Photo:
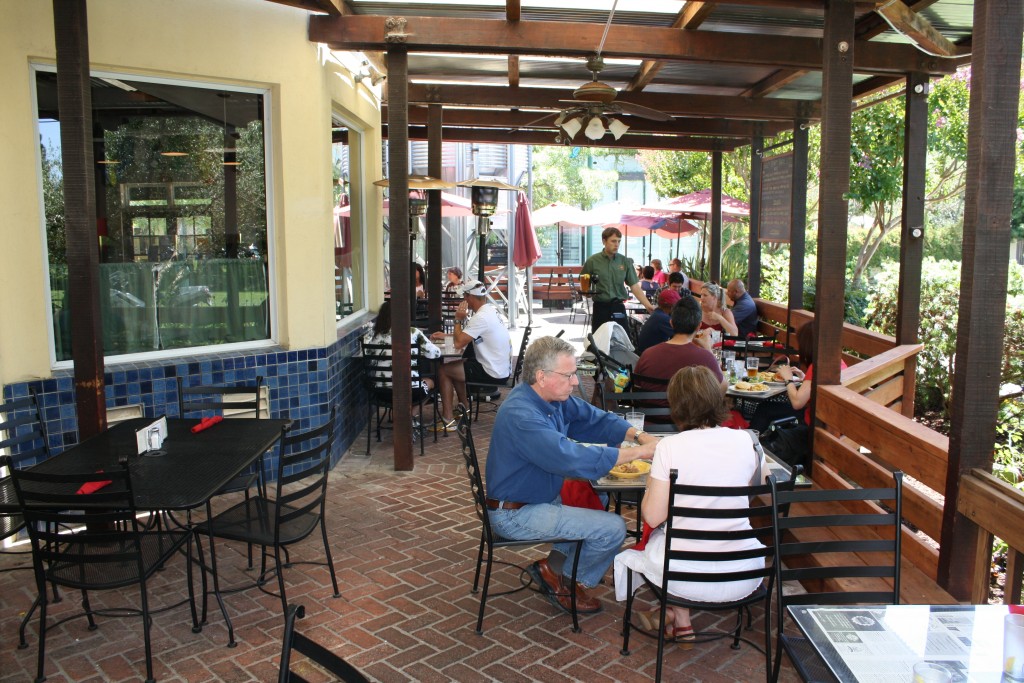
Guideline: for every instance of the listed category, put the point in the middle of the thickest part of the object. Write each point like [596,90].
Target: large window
[181,214]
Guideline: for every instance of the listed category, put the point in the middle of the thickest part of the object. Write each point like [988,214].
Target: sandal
[682,634]
[649,620]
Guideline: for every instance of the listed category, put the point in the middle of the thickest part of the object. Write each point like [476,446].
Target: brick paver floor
[404,545]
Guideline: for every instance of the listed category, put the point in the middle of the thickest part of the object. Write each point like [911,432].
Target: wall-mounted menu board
[776,198]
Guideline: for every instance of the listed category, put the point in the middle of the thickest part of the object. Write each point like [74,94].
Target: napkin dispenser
[151,437]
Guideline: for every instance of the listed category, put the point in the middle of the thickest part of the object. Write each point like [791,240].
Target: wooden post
[798,226]
[837,96]
[74,103]
[754,244]
[836,100]
[435,276]
[915,153]
[401,278]
[715,269]
[995,88]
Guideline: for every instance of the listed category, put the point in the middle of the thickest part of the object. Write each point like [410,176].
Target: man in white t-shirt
[487,359]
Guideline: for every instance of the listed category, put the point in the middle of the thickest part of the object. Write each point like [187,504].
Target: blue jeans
[602,534]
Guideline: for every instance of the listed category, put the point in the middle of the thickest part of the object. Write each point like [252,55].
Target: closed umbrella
[526,250]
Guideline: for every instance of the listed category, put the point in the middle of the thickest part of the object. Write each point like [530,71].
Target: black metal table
[192,468]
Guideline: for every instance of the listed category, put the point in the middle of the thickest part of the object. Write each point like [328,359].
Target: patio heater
[418,186]
[484,199]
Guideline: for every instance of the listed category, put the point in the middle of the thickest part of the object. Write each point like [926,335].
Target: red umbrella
[526,250]
[698,205]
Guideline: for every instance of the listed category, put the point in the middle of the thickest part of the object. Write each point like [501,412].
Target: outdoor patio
[404,545]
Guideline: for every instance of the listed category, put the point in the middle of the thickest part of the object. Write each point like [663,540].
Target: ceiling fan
[595,102]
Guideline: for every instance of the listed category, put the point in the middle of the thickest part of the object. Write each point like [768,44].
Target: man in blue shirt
[658,327]
[538,441]
[744,310]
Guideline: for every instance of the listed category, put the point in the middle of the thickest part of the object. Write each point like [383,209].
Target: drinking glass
[1013,647]
[636,419]
[752,365]
[928,672]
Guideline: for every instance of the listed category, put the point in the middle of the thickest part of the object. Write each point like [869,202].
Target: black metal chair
[294,641]
[490,539]
[848,544]
[105,549]
[236,400]
[294,512]
[488,393]
[25,440]
[379,389]
[685,503]
[578,299]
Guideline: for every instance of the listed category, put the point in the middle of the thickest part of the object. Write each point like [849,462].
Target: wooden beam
[917,28]
[690,17]
[868,27]
[576,39]
[687,105]
[490,118]
[334,8]
[513,71]
[435,139]
[513,10]
[74,101]
[547,138]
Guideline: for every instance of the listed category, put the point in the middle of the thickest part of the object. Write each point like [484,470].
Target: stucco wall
[254,44]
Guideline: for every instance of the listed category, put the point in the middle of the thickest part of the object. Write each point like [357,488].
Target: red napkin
[93,486]
[580,494]
[206,423]
[729,342]
[645,535]
[1016,609]
[735,421]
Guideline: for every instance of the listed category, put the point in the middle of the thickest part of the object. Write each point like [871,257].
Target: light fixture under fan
[594,105]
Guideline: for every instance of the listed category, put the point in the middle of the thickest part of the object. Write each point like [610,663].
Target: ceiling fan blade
[642,111]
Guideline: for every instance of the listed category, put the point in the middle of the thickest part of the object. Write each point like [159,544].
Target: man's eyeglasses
[567,375]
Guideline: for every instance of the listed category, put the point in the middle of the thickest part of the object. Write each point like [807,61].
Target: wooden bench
[555,283]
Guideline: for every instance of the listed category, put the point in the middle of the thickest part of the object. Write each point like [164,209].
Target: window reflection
[181,215]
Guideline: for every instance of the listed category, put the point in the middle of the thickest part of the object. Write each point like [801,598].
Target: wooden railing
[866,432]
[998,510]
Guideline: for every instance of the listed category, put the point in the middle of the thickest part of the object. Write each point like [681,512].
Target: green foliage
[53,205]
[563,174]
[940,303]
[734,265]
[678,173]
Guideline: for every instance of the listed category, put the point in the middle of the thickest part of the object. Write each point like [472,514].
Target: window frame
[272,266]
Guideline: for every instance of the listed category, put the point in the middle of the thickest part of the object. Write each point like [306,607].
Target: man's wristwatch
[636,437]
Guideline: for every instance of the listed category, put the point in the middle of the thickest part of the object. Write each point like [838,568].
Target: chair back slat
[472,465]
[302,473]
[238,400]
[22,431]
[842,545]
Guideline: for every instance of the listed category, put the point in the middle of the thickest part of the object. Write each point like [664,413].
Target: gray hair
[542,354]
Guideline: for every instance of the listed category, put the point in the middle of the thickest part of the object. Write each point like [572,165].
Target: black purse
[787,440]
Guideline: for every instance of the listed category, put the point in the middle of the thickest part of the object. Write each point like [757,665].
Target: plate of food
[631,470]
[766,376]
[751,387]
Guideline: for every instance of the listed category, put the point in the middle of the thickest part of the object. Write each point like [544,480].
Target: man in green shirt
[610,274]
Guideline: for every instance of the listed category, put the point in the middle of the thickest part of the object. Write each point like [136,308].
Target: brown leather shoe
[556,588]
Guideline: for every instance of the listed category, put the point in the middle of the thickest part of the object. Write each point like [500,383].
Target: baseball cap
[668,297]
[474,287]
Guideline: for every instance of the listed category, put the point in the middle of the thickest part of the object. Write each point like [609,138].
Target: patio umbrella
[698,205]
[562,216]
[526,250]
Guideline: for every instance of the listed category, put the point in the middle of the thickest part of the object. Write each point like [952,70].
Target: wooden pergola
[728,73]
